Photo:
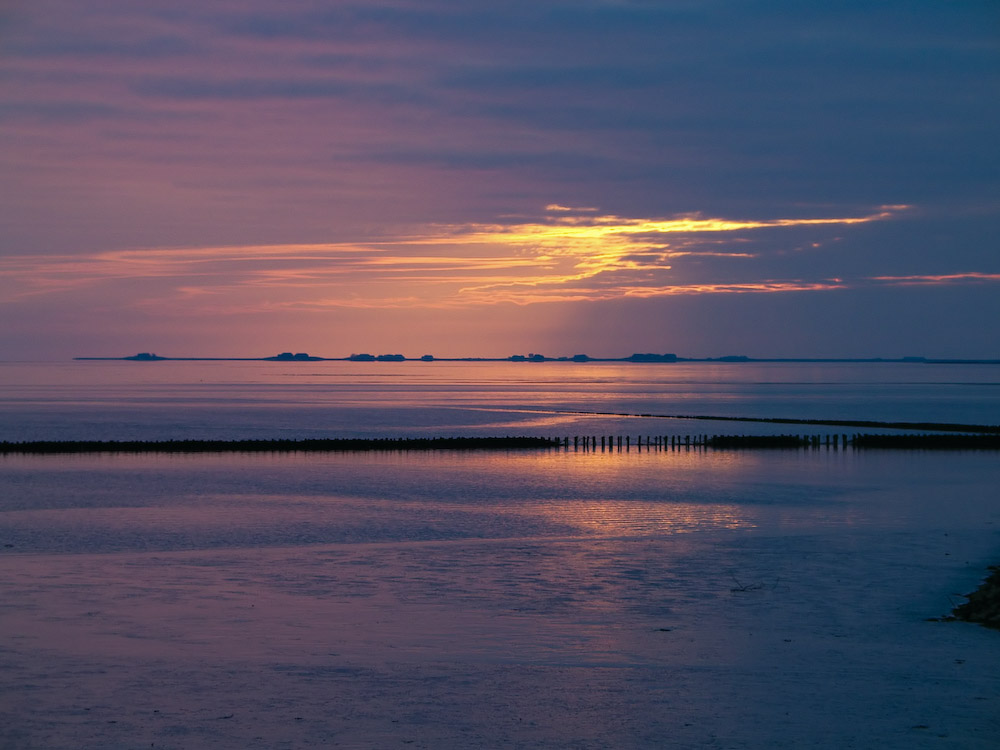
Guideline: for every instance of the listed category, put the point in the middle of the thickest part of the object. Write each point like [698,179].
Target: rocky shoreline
[983,606]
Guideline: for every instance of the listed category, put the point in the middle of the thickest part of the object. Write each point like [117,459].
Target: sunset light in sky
[480,179]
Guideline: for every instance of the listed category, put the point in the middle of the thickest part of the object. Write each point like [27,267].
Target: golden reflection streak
[666,515]
[640,518]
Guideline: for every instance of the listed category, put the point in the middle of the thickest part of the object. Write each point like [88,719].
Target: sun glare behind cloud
[567,254]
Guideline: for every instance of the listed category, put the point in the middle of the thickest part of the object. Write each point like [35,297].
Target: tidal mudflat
[512,599]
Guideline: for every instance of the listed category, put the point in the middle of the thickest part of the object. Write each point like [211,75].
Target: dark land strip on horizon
[637,358]
[588,444]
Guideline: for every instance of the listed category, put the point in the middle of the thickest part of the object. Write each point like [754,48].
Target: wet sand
[713,639]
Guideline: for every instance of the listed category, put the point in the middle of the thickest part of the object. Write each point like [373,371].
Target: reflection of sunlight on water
[546,420]
[636,518]
[634,464]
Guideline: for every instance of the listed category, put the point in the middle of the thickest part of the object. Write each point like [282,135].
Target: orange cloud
[569,254]
[937,280]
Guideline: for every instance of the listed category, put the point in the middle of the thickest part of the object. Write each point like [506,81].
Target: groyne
[283,446]
[755,442]
[586,443]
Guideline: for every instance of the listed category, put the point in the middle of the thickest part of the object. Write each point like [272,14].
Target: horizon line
[636,358]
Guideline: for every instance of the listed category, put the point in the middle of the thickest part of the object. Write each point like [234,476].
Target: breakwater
[588,443]
[274,446]
[752,442]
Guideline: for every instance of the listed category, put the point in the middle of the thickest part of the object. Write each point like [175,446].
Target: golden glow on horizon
[570,254]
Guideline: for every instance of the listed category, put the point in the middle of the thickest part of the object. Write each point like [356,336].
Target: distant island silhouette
[639,358]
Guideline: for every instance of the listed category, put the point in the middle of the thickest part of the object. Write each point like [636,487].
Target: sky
[472,178]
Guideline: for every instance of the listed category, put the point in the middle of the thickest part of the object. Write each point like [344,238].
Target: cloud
[566,254]
[947,279]
[314,154]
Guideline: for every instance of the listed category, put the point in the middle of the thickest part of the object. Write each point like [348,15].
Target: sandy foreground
[712,639]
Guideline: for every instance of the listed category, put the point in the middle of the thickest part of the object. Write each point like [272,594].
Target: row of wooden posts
[675,442]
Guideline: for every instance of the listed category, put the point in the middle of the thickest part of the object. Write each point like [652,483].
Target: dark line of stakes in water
[588,443]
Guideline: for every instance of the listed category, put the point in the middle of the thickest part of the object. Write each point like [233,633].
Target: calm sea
[556,599]
[114,502]
[175,400]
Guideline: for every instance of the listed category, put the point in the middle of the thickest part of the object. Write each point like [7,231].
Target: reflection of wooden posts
[576,442]
[628,442]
